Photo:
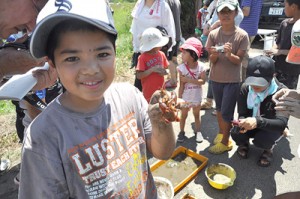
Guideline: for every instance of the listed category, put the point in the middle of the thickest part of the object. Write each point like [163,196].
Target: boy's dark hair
[296,2]
[193,54]
[66,26]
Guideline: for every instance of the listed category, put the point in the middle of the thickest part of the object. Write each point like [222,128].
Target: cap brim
[149,46]
[256,81]
[39,38]
[231,7]
[294,55]
[190,47]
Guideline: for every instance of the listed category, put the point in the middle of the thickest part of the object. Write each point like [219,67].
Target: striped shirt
[250,23]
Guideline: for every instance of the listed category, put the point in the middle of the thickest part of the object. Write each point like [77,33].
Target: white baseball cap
[152,38]
[94,12]
[294,53]
[230,4]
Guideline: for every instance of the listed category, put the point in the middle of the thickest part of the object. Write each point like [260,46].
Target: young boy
[91,141]
[152,63]
[227,46]
[286,73]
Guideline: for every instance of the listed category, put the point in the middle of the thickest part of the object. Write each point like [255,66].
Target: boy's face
[85,63]
[288,9]
[227,16]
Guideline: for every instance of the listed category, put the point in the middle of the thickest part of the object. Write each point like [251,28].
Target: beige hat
[152,38]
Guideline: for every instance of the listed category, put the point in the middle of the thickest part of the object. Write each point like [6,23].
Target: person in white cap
[152,63]
[92,140]
[147,14]
[227,46]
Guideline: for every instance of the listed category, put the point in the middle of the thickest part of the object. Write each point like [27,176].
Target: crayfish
[167,105]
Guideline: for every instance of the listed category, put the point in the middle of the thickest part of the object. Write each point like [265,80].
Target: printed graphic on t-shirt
[112,161]
[154,62]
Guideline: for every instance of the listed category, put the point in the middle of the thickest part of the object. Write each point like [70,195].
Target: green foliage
[123,19]
[6,107]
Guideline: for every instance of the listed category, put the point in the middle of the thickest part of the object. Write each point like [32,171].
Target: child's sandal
[265,159]
[243,151]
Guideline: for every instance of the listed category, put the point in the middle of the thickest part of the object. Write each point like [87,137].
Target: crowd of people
[95,132]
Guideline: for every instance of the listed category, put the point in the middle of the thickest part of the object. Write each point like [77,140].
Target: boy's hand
[227,49]
[155,113]
[163,107]
[159,70]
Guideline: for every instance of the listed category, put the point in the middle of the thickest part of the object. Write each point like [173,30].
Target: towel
[254,99]
[155,10]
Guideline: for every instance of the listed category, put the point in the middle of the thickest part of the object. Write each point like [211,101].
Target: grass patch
[123,19]
[6,107]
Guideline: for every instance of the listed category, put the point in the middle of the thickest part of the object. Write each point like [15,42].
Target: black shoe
[181,136]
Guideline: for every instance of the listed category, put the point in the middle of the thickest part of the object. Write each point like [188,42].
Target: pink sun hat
[193,44]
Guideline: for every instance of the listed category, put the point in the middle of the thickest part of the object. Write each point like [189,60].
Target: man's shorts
[225,95]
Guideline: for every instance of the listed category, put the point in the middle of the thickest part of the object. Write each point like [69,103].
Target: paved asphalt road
[252,181]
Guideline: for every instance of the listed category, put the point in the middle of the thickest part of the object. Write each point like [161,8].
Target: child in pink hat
[192,77]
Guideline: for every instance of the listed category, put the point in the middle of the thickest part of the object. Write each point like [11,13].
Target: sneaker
[219,148]
[199,137]
[214,113]
[181,136]
[4,165]
[207,104]
[17,179]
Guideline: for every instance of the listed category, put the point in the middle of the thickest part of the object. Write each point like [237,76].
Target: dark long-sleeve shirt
[268,120]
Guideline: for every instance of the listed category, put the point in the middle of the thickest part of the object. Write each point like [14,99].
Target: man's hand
[45,78]
[285,92]
[14,61]
[289,106]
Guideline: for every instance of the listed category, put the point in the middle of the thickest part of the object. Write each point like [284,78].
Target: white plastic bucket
[268,42]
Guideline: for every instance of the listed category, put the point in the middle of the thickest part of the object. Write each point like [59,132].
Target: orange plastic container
[190,175]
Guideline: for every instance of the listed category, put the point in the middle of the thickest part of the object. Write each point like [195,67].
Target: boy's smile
[85,63]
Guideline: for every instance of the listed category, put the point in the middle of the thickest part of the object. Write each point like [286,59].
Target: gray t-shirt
[101,154]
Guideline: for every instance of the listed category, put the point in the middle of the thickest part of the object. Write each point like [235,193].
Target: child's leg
[196,112]
[184,114]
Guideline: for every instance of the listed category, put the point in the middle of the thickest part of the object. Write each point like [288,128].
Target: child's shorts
[225,95]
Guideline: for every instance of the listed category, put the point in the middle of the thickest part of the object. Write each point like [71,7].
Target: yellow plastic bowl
[220,176]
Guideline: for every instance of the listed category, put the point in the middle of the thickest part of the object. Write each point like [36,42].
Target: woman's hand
[247,124]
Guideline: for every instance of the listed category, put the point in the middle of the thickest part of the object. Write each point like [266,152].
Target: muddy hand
[169,106]
[154,110]
[289,106]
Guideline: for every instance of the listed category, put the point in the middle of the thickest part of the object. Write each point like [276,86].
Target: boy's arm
[162,142]
[143,74]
